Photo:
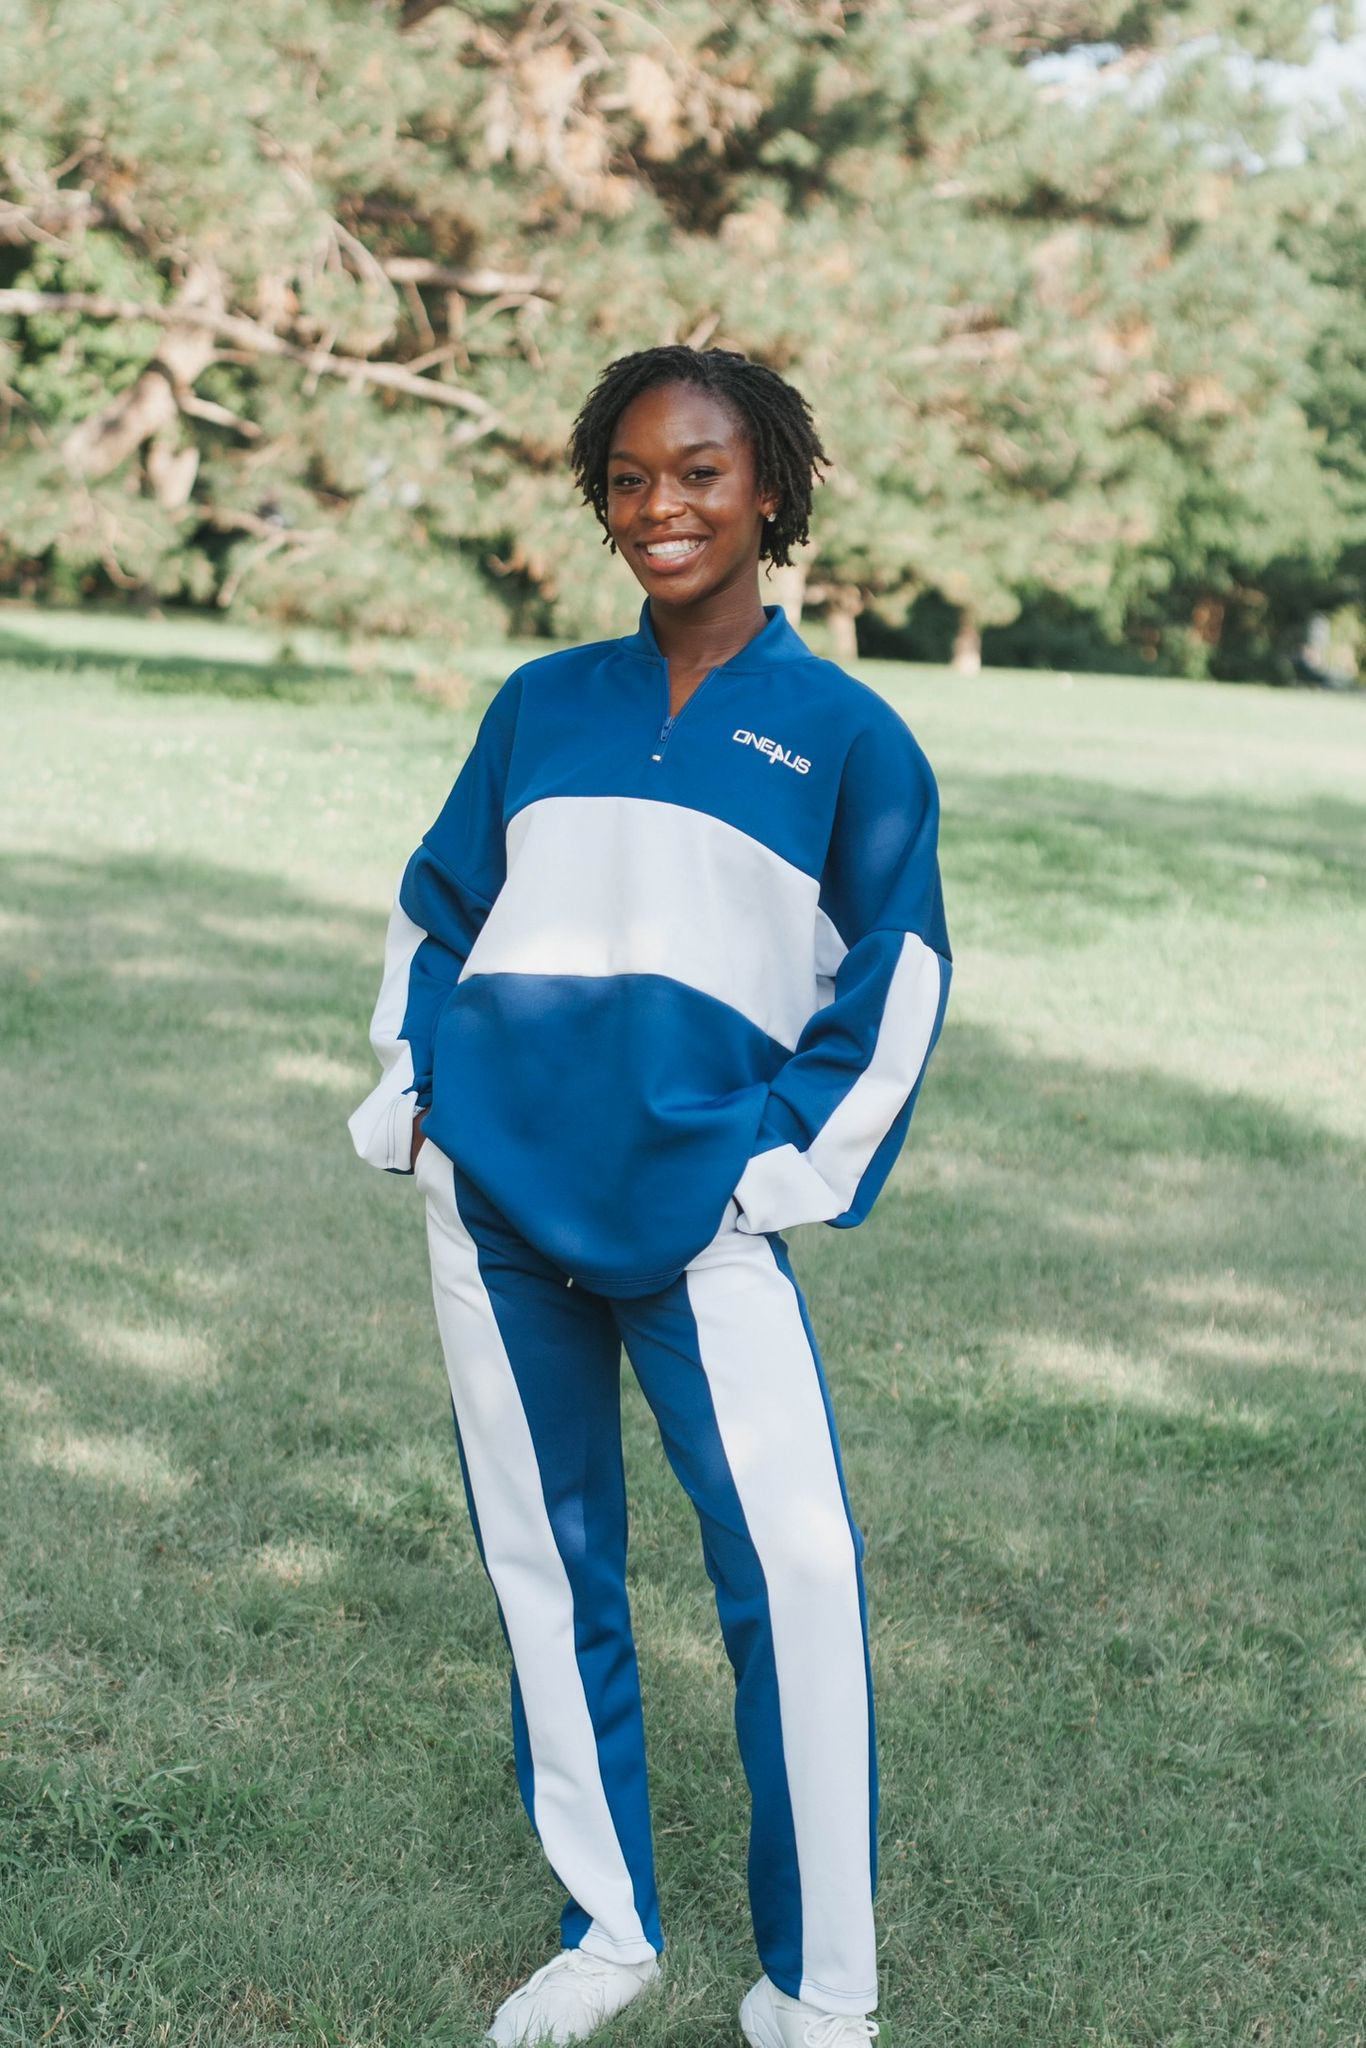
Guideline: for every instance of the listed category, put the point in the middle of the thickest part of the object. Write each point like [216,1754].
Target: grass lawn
[1098,1359]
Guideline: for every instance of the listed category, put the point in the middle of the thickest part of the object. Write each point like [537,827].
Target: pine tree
[297,304]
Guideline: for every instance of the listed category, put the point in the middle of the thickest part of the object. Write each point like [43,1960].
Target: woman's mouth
[672,554]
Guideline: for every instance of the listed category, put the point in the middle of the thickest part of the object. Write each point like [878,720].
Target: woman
[661,982]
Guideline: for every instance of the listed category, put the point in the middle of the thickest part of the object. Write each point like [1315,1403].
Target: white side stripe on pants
[528,1574]
[771,1415]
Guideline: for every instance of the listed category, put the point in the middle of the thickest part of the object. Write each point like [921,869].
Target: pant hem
[612,1950]
[846,2003]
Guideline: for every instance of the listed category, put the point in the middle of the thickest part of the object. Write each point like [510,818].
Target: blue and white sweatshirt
[641,966]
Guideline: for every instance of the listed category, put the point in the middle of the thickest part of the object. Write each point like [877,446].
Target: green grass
[1098,1359]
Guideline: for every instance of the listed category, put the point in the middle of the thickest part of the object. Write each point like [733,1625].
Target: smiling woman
[699,467]
[646,1005]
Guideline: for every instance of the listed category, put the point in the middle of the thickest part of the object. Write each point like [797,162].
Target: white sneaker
[770,2019]
[568,1999]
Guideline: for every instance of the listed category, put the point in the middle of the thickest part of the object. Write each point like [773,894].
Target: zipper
[671,718]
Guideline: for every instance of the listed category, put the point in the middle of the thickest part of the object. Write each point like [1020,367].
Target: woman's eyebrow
[693,448]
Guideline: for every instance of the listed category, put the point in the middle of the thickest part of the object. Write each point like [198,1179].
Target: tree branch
[197,408]
[147,411]
[257,340]
[231,519]
[305,539]
[475,284]
[42,210]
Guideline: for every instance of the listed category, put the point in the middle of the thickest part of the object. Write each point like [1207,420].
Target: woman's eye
[703,472]
[621,483]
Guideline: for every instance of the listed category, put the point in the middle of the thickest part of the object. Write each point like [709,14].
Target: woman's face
[683,505]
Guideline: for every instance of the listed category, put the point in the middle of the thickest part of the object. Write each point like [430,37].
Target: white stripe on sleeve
[784,1186]
[382,1128]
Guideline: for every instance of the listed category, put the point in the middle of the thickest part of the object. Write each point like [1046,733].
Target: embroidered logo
[775,753]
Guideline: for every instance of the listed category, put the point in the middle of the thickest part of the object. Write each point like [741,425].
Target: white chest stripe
[625,885]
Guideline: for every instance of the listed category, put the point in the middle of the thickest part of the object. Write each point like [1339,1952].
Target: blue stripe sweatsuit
[666,987]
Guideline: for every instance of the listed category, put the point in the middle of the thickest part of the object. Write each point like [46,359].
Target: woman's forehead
[677,418]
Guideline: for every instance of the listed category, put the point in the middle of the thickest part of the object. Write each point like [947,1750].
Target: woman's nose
[664,498]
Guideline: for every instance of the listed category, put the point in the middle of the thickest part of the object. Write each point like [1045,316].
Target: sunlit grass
[1098,1360]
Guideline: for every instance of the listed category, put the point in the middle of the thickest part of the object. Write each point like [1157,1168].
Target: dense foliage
[297,305]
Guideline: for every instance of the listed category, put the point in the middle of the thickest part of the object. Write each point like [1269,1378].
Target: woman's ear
[768,505]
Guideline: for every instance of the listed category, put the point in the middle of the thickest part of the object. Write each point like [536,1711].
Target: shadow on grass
[300,682]
[1108,1253]
[203,1033]
[1096,1362]
[1057,858]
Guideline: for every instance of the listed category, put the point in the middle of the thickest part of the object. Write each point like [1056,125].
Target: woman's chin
[674,586]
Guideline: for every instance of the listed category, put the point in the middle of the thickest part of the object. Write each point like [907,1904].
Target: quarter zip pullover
[635,972]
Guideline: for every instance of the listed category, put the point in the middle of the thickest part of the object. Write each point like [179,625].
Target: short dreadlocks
[788,455]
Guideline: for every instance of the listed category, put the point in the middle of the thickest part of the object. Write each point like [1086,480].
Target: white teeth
[670,550]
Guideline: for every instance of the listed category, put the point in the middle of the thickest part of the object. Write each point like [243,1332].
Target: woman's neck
[695,639]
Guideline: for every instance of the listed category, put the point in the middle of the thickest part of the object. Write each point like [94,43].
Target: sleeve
[445,894]
[838,1108]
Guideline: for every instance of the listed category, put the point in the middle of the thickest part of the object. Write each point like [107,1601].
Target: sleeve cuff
[780,1189]
[382,1128]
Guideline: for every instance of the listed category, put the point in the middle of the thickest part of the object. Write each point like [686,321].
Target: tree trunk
[967,645]
[787,587]
[1207,617]
[844,638]
[171,471]
[842,609]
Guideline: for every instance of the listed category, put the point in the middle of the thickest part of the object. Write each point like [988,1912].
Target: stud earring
[769,518]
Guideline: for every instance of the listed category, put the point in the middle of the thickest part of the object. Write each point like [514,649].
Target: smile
[671,550]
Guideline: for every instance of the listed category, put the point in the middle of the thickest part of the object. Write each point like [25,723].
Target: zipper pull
[663,740]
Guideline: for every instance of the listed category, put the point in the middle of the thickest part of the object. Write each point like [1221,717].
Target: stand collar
[777,642]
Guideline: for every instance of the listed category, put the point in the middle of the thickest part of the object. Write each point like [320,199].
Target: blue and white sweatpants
[727,1361]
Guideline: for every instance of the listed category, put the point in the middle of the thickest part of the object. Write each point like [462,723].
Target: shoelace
[839,2030]
[577,1962]
[576,1966]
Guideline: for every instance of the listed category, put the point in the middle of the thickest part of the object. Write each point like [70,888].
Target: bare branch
[197,408]
[147,411]
[41,210]
[981,345]
[171,471]
[703,332]
[256,340]
[473,430]
[417,313]
[475,284]
[229,519]
[306,539]
[447,353]
[21,225]
[367,265]
[318,355]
